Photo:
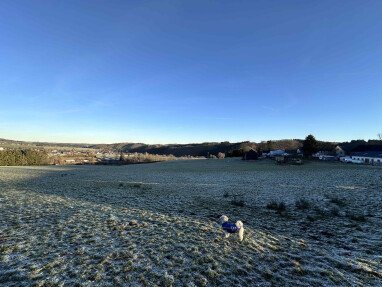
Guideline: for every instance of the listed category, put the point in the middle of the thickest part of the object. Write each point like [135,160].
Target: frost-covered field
[155,224]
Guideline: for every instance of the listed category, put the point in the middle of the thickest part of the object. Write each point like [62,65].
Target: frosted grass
[156,225]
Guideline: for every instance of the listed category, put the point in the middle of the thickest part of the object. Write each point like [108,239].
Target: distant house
[368,157]
[251,155]
[339,151]
[278,152]
[293,153]
[327,157]
[317,154]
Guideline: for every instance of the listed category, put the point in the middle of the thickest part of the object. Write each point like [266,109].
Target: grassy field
[319,224]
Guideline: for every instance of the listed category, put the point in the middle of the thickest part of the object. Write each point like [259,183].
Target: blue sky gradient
[190,71]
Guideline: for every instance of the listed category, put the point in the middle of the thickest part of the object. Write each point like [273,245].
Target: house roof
[368,154]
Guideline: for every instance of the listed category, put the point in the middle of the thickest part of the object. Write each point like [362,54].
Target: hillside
[192,149]
[15,143]
[202,149]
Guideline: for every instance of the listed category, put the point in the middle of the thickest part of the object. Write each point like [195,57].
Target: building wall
[369,160]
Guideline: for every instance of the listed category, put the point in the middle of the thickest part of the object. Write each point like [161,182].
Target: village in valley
[355,152]
[372,155]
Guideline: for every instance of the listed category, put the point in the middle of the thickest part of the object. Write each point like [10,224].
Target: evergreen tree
[310,145]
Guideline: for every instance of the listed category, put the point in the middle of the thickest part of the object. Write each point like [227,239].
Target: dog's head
[223,219]
[239,224]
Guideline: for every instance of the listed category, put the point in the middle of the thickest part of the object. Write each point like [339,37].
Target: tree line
[23,157]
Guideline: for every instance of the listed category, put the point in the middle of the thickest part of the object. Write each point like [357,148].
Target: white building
[345,159]
[368,157]
[278,152]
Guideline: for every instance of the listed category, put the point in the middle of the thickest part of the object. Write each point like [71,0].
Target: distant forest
[232,149]
[197,149]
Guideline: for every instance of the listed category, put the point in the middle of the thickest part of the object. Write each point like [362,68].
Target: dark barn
[251,155]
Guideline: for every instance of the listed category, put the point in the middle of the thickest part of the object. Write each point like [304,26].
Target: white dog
[229,228]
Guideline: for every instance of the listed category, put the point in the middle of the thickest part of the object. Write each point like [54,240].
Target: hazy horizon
[189,72]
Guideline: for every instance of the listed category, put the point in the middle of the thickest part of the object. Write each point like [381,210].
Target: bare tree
[380,136]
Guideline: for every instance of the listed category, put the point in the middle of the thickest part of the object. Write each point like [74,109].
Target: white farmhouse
[368,157]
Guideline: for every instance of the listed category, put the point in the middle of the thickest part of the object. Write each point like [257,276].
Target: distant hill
[361,145]
[368,147]
[197,149]
[203,149]
[193,149]
[7,142]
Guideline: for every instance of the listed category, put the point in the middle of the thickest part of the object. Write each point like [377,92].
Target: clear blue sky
[190,71]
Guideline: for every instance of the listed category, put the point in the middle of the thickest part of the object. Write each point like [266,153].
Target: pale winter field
[156,225]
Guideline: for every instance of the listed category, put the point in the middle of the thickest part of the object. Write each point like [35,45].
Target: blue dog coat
[230,227]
